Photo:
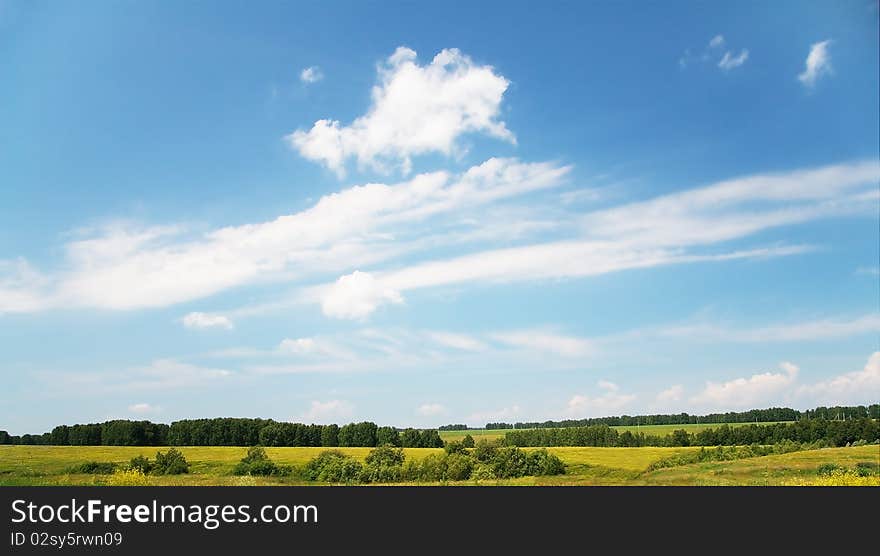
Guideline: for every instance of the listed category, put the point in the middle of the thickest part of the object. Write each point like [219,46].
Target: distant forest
[227,432]
[589,432]
[774,414]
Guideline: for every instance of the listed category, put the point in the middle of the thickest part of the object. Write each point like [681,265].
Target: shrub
[384,465]
[459,467]
[256,462]
[171,462]
[142,464]
[484,451]
[455,447]
[433,468]
[509,461]
[467,441]
[867,468]
[482,472]
[94,468]
[333,466]
[828,469]
[128,477]
[542,462]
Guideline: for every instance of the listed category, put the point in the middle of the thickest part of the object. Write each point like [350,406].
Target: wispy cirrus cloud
[126,267]
[665,230]
[801,331]
[205,320]
[730,61]
[817,64]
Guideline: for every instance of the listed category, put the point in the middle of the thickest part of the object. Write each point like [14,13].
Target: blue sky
[420,214]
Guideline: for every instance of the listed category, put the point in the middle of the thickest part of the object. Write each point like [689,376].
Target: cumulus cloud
[327,412]
[415,110]
[856,387]
[672,394]
[357,295]
[753,391]
[717,41]
[817,64]
[204,320]
[311,74]
[729,61]
[431,409]
[612,400]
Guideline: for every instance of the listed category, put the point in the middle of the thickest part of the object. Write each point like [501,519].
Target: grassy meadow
[50,465]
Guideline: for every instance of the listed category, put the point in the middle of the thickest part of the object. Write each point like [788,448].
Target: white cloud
[143,408]
[456,341]
[160,375]
[480,418]
[128,268]
[712,52]
[611,401]
[817,64]
[754,391]
[729,61]
[672,394]
[415,110]
[661,231]
[566,346]
[204,320]
[822,329]
[431,409]
[327,412]
[857,387]
[22,288]
[311,74]
[356,295]
[298,345]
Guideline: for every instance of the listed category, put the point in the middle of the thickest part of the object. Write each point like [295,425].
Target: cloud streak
[817,64]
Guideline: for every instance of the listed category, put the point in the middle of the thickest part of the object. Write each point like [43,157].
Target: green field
[657,430]
[48,465]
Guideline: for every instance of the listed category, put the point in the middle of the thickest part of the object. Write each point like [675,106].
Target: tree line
[752,416]
[228,432]
[821,431]
[456,427]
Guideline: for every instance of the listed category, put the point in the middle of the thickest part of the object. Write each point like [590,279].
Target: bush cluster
[333,466]
[729,453]
[388,464]
[256,462]
[171,462]
[94,468]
